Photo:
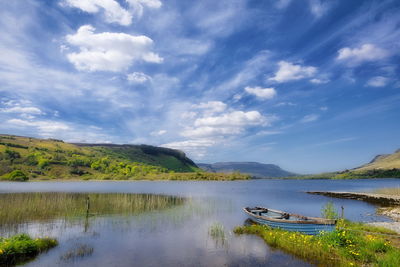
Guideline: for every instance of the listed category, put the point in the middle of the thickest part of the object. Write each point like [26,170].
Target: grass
[16,208]
[348,245]
[20,248]
[217,233]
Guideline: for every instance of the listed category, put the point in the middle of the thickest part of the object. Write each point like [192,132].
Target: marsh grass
[17,208]
[80,251]
[346,246]
[20,248]
[217,233]
[391,191]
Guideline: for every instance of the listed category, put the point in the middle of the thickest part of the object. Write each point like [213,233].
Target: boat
[290,222]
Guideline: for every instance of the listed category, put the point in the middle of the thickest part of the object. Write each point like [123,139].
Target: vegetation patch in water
[217,233]
[348,245]
[80,251]
[21,247]
[16,208]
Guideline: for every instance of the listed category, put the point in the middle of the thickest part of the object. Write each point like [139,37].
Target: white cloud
[196,147]
[317,8]
[290,72]
[43,126]
[262,93]
[113,12]
[138,77]
[227,124]
[323,108]
[211,106]
[309,118]
[232,119]
[23,110]
[367,52]
[158,133]
[378,81]
[109,51]
[319,81]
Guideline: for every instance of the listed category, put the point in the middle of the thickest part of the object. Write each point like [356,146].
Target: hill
[254,169]
[24,158]
[381,166]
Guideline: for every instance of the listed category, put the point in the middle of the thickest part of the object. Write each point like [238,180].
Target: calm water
[179,235]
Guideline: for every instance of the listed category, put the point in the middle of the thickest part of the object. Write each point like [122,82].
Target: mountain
[385,161]
[51,158]
[381,166]
[255,169]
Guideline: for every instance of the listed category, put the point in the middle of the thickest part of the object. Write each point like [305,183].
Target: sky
[310,85]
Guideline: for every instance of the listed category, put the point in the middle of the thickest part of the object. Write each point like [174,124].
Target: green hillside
[25,157]
[382,166]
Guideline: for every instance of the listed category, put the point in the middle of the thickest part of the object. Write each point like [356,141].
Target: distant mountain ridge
[383,161]
[255,169]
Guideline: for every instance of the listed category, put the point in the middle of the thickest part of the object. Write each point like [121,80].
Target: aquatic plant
[16,208]
[21,247]
[217,233]
[346,246]
[80,251]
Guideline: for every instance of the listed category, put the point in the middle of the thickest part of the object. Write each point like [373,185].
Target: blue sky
[309,85]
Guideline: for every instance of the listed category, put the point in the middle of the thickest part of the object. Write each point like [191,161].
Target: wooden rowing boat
[290,222]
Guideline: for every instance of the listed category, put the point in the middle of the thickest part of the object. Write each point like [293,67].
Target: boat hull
[290,222]
[309,229]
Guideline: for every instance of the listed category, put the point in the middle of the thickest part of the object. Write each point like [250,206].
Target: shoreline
[390,205]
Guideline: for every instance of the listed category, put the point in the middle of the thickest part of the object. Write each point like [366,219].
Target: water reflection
[135,230]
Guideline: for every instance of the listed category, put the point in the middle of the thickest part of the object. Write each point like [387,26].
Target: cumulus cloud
[367,52]
[378,81]
[226,124]
[109,51]
[290,72]
[262,93]
[309,118]
[112,10]
[138,77]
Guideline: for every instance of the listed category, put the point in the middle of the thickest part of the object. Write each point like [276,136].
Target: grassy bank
[352,244]
[20,248]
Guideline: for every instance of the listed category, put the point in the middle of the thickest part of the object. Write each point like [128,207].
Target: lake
[177,228]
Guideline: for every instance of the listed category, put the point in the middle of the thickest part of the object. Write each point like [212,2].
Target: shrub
[22,247]
[16,175]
